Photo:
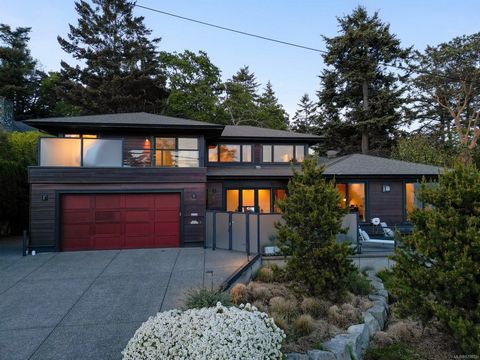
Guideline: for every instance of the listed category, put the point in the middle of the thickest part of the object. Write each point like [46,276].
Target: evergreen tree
[312,219]
[437,271]
[270,113]
[121,66]
[306,118]
[195,86]
[49,104]
[19,73]
[360,99]
[240,102]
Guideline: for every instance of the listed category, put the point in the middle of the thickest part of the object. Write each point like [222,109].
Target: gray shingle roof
[140,119]
[252,132]
[359,164]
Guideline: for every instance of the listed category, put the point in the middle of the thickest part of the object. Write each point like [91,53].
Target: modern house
[140,180]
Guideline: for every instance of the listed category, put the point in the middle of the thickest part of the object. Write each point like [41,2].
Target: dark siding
[214,196]
[387,206]
[257,151]
[43,225]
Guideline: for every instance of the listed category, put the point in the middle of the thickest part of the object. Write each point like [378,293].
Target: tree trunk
[365,109]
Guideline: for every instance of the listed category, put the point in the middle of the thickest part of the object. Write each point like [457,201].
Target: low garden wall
[354,343]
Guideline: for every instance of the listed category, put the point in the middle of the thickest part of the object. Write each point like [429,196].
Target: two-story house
[140,180]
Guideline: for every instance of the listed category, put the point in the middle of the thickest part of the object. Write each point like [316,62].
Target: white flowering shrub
[209,333]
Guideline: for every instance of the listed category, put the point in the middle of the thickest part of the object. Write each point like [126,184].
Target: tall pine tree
[19,74]
[306,118]
[270,113]
[121,66]
[360,99]
[239,103]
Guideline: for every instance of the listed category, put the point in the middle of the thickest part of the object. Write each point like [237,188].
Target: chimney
[6,113]
[331,154]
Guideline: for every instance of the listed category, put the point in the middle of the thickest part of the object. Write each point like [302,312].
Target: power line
[232,30]
[287,43]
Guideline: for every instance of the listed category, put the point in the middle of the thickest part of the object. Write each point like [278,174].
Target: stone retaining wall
[353,344]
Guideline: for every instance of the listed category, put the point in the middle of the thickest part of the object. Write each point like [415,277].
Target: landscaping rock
[379,299]
[321,355]
[297,356]
[360,338]
[339,345]
[382,293]
[371,323]
[380,313]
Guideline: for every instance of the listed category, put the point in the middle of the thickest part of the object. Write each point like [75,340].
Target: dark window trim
[255,188]
[366,188]
[217,145]
[294,159]
[154,148]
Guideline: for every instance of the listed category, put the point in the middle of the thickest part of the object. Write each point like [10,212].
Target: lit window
[282,153]
[264,200]
[411,198]
[254,200]
[229,153]
[212,153]
[278,194]
[299,153]
[267,153]
[232,200]
[179,152]
[352,196]
[72,135]
[248,200]
[246,153]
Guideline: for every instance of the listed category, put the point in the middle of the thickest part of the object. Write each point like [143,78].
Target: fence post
[247,230]
[24,243]
[230,240]
[214,230]
[258,234]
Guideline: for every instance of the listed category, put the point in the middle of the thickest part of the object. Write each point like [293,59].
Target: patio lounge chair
[365,239]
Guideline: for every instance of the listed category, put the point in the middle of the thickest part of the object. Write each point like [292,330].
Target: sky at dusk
[292,71]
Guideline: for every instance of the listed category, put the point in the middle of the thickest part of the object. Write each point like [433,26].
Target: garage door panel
[117,221]
[144,216]
[139,201]
[76,217]
[108,201]
[167,215]
[74,202]
[108,216]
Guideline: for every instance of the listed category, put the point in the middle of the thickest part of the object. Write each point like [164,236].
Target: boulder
[297,356]
[321,355]
[371,323]
[360,337]
[379,313]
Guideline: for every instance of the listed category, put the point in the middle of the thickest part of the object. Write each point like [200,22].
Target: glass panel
[59,152]
[342,189]
[278,194]
[72,135]
[229,153]
[164,158]
[248,200]
[212,153]
[246,153]
[264,205]
[186,158]
[102,152]
[267,153]
[188,143]
[411,198]
[356,199]
[232,200]
[299,153]
[136,158]
[283,153]
[89,136]
[165,143]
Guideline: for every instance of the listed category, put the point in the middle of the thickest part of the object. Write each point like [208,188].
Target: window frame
[241,161]
[365,184]
[256,203]
[294,158]
[154,149]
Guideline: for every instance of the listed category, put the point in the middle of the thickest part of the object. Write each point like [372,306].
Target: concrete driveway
[87,305]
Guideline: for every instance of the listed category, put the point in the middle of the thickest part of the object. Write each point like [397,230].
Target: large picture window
[411,198]
[228,153]
[261,200]
[283,153]
[352,196]
[179,152]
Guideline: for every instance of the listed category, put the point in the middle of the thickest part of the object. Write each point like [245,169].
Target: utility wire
[320,51]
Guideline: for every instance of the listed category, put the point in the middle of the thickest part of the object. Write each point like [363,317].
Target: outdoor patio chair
[389,233]
[365,239]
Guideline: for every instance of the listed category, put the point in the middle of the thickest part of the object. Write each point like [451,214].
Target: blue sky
[292,71]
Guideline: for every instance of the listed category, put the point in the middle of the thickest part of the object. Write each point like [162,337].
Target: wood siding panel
[388,206]
[214,196]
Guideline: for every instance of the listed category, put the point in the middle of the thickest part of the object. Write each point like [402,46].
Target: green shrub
[392,352]
[303,325]
[200,298]
[387,278]
[312,219]
[437,271]
[359,284]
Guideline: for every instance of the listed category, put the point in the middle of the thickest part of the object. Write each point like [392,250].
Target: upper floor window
[85,136]
[230,153]
[283,153]
[179,152]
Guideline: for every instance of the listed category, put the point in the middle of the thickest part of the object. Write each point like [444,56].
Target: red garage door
[120,221]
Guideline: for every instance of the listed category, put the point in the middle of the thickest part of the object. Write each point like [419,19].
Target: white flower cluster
[209,333]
